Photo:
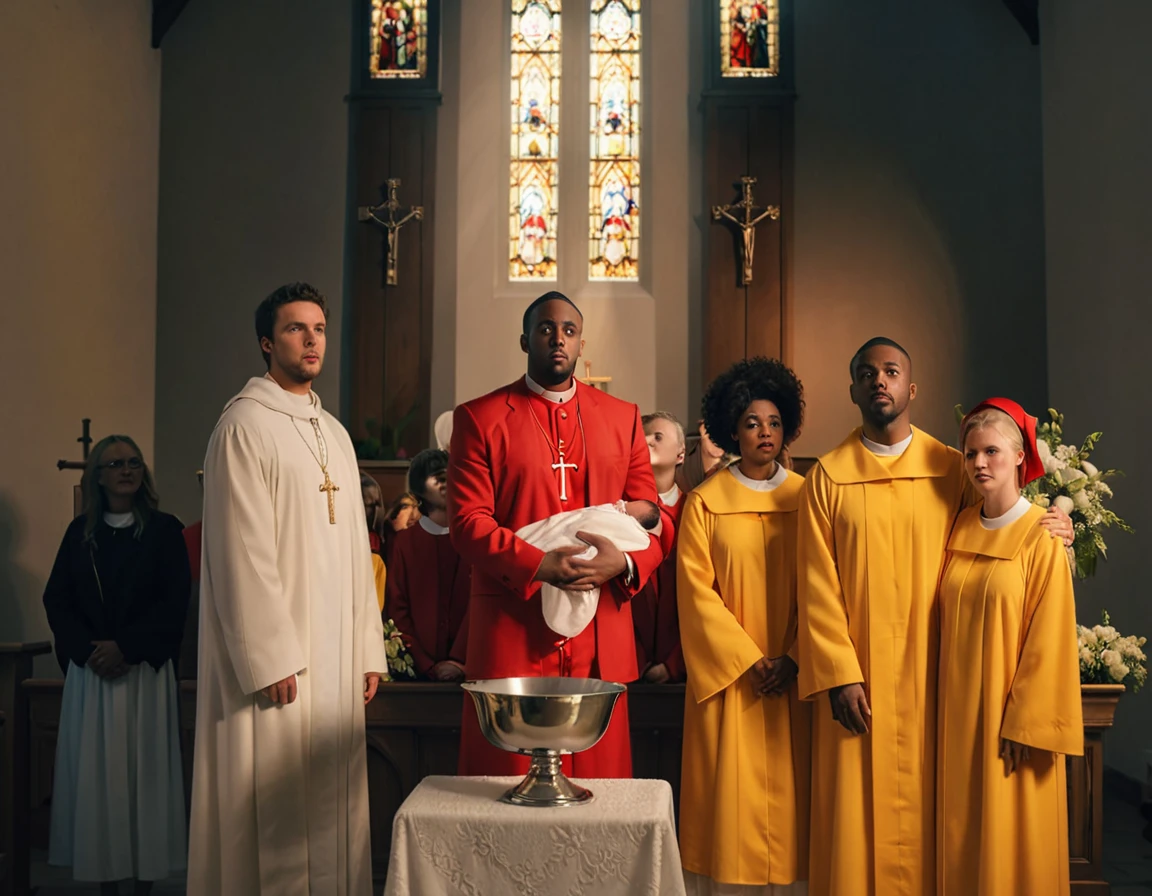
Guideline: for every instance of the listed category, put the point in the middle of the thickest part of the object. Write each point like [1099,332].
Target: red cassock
[192,537]
[426,594]
[654,614]
[504,473]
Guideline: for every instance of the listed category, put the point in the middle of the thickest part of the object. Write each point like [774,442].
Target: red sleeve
[458,650]
[675,664]
[398,603]
[641,486]
[480,540]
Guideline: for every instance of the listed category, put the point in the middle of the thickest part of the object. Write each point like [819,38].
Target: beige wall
[919,208]
[78,181]
[254,147]
[1097,147]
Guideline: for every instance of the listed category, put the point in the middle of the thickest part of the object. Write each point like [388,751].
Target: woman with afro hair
[744,782]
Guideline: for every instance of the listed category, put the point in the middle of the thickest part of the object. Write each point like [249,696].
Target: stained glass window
[535,128]
[749,39]
[398,39]
[614,153]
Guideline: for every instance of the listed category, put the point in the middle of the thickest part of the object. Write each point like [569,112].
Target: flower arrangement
[400,663]
[1077,487]
[1107,657]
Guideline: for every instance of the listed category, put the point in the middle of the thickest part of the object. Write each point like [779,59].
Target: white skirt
[699,885]
[118,791]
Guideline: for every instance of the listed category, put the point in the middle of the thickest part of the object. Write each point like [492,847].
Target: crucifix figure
[563,468]
[748,224]
[331,488]
[392,227]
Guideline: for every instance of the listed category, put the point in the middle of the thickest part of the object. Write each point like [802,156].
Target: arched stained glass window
[535,128]
[749,39]
[398,39]
[614,148]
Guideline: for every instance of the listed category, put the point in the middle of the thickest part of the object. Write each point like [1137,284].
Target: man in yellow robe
[874,520]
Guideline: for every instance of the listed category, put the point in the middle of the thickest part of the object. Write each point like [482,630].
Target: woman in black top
[116,601]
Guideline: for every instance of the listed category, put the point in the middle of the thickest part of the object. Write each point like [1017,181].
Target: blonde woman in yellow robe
[1009,688]
[744,783]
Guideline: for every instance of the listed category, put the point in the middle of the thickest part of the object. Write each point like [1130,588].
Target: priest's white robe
[280,793]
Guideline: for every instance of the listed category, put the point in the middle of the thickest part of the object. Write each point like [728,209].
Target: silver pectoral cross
[563,468]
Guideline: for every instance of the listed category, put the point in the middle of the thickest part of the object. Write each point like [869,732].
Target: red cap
[1033,467]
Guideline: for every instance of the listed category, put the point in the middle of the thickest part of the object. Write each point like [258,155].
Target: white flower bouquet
[1107,657]
[400,664]
[1077,487]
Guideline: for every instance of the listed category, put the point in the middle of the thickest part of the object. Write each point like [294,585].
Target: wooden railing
[15,668]
[413,731]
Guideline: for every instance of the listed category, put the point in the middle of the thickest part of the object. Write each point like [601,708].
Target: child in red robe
[427,589]
[654,614]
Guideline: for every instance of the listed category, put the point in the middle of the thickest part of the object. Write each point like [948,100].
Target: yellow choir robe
[872,532]
[1009,667]
[744,782]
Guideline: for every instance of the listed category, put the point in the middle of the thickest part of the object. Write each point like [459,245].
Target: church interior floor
[1127,860]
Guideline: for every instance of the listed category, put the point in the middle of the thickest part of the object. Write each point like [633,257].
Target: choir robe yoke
[1009,667]
[745,776]
[871,541]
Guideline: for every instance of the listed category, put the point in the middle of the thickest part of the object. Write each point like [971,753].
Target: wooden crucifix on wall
[746,223]
[391,226]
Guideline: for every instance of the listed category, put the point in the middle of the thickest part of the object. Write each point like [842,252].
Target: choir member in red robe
[528,450]
[426,593]
[654,613]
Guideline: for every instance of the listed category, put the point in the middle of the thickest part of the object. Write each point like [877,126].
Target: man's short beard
[555,379]
[882,418]
[298,374]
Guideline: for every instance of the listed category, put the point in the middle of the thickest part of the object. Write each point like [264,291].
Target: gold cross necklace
[329,486]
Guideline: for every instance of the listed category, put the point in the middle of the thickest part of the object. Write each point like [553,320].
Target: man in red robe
[427,588]
[533,448]
[654,614]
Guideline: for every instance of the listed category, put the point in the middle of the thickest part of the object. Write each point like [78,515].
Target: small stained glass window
[535,129]
[749,39]
[614,151]
[398,39]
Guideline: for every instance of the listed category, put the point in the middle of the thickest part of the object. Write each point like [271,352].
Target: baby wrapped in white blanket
[569,612]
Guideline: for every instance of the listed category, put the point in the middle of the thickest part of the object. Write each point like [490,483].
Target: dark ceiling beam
[1027,13]
[164,14]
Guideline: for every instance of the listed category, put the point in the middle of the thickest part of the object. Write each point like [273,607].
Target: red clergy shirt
[426,594]
[654,614]
[500,478]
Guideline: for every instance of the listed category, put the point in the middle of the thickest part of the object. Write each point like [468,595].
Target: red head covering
[1033,467]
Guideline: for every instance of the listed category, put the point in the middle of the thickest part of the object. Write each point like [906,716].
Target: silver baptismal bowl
[544,718]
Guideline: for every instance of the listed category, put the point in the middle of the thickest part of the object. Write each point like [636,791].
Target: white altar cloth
[452,836]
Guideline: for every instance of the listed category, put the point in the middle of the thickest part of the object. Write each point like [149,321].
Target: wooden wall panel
[391,365]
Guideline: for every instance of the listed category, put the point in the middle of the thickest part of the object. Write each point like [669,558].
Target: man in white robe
[291,640]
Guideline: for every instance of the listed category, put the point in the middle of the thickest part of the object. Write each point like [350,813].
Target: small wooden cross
[331,488]
[563,468]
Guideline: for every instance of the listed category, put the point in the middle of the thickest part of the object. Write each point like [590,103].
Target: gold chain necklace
[329,486]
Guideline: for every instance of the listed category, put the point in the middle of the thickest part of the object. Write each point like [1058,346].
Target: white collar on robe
[670,497]
[266,391]
[760,485]
[1014,513]
[887,450]
[558,397]
[432,528]
[120,520]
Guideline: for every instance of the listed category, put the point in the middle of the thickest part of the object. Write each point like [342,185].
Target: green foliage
[383,440]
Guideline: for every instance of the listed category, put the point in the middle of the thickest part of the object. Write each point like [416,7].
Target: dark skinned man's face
[883,387]
[553,342]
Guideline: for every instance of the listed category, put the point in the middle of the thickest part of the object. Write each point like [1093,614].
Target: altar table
[453,836]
